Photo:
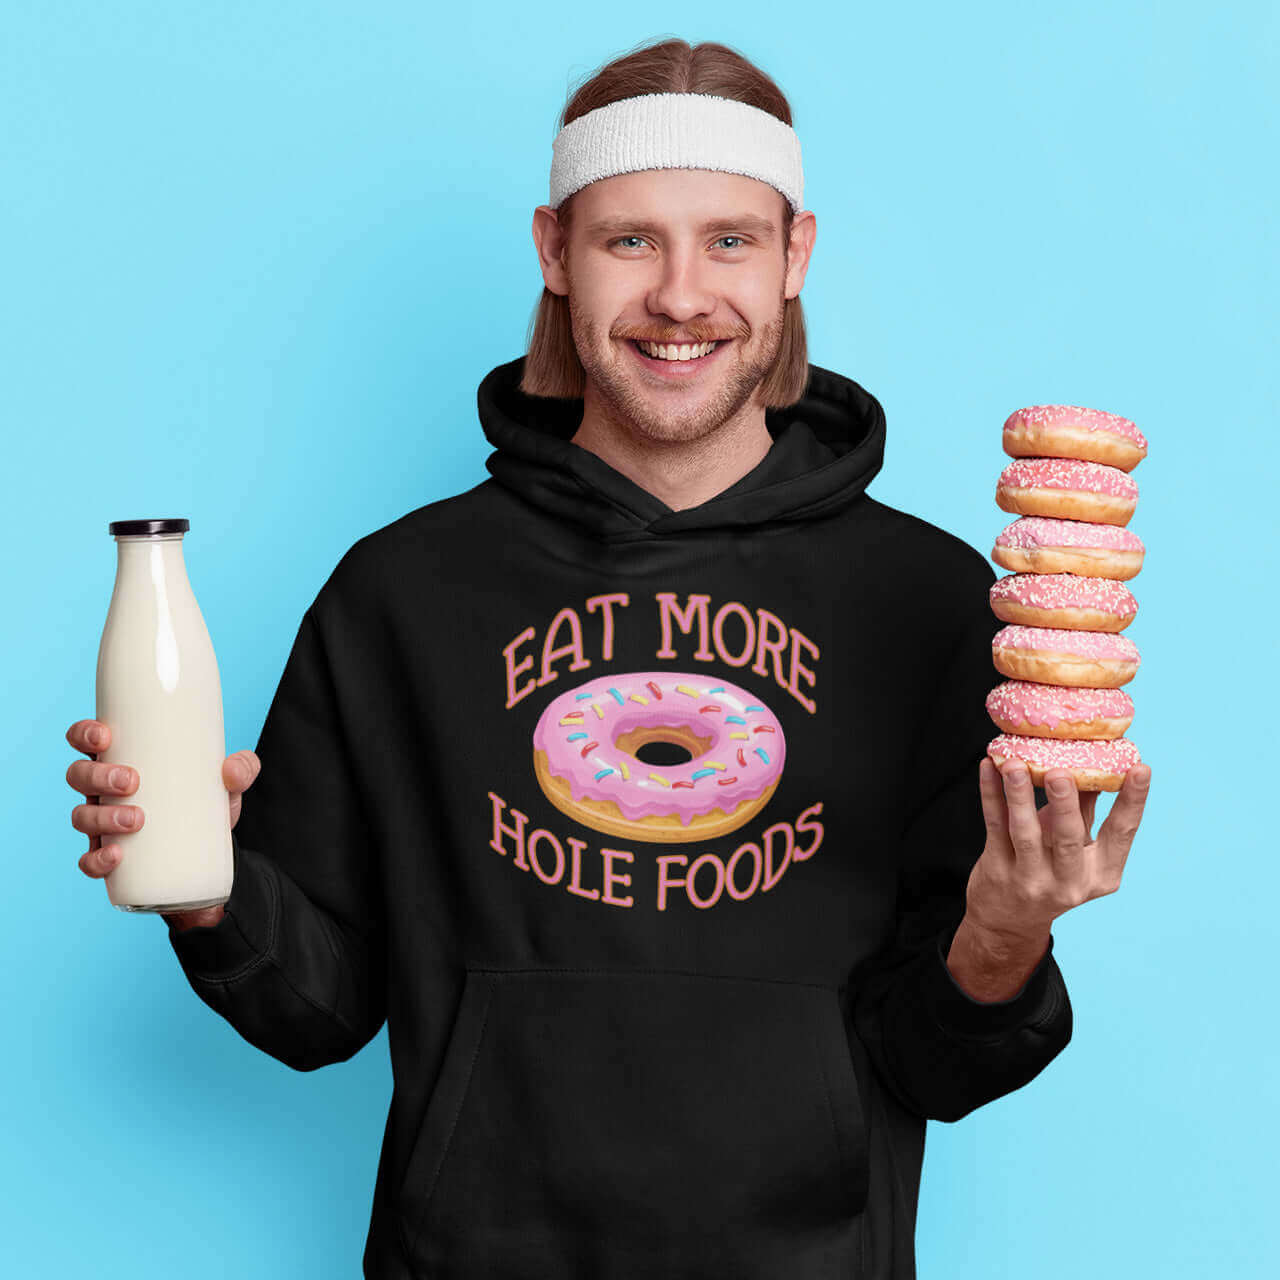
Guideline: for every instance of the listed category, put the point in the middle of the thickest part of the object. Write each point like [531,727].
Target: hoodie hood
[826,449]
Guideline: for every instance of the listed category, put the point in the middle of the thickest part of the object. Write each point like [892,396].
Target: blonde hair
[552,366]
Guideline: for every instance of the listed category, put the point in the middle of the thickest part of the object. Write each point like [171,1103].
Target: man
[641,1026]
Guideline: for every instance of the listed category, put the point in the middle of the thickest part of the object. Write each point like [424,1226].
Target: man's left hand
[1036,865]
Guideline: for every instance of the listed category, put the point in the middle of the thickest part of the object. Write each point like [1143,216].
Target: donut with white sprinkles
[1068,489]
[1057,655]
[1072,431]
[1044,544]
[1096,765]
[1059,711]
[1063,600]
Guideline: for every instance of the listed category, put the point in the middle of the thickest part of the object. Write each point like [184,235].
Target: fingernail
[1058,786]
[120,778]
[126,818]
[95,737]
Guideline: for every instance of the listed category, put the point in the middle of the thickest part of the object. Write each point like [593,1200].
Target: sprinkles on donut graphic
[590,742]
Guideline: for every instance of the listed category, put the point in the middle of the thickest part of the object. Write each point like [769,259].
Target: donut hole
[663,746]
[665,754]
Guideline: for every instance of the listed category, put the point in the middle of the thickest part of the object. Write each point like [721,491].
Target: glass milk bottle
[159,694]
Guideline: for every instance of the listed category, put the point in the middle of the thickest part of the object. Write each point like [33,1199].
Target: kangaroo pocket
[624,1124]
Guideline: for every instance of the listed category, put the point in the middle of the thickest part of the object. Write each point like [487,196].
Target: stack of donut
[1065,603]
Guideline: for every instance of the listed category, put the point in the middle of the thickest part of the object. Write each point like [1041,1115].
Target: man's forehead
[672,199]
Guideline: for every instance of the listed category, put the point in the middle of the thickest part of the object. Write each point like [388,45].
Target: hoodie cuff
[955,1010]
[245,934]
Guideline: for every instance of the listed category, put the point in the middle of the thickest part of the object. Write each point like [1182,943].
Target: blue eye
[623,239]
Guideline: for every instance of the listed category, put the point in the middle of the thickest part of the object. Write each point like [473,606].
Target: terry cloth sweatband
[676,131]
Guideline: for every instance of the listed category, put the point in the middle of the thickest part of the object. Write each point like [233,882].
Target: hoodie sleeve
[296,964]
[941,1052]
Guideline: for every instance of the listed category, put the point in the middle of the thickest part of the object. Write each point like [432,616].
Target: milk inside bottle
[159,694]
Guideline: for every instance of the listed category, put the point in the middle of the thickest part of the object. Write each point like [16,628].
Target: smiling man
[641,790]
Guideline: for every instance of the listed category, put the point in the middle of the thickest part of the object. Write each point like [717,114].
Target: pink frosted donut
[1063,600]
[1071,431]
[1067,488]
[1096,765]
[585,756]
[1042,544]
[1059,711]
[1056,655]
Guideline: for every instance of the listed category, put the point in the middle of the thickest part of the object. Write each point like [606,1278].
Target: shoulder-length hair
[552,367]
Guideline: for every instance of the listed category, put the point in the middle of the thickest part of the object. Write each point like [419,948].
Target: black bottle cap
[134,527]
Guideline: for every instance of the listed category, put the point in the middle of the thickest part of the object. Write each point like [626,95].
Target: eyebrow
[751,222]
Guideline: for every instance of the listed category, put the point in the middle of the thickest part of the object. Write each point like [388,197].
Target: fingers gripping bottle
[159,694]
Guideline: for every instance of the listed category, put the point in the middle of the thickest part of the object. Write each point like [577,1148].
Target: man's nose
[682,288]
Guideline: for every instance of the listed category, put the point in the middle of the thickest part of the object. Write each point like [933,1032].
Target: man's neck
[680,474]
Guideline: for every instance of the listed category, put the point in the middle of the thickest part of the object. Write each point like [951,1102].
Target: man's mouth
[676,356]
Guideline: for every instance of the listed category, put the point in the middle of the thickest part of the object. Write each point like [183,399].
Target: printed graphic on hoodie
[587,735]
[664,756]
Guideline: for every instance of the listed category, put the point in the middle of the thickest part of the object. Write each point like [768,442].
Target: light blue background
[256,260]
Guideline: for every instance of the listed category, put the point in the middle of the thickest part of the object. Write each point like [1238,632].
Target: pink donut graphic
[585,755]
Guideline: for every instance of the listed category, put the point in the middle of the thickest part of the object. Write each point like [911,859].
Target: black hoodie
[623,1056]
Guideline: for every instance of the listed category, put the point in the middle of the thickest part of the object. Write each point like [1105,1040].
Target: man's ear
[804,230]
[551,243]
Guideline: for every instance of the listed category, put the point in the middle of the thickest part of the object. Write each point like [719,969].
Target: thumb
[240,770]
[238,773]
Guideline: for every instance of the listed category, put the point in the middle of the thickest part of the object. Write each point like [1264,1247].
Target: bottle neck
[157,557]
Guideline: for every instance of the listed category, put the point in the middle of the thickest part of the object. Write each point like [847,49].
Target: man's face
[677,256]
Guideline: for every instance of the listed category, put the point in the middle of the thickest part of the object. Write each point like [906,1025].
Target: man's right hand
[96,780]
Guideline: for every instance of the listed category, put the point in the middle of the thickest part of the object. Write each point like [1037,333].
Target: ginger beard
[682,412]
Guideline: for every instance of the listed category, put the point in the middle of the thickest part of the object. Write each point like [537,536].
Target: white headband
[676,131]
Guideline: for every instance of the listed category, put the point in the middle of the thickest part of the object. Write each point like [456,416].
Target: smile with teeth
[686,351]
